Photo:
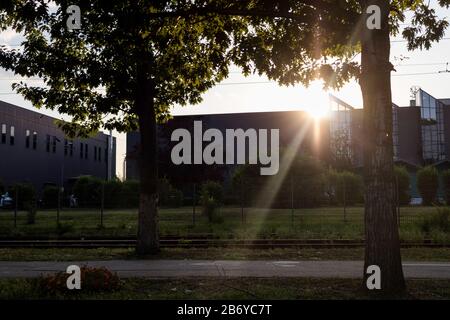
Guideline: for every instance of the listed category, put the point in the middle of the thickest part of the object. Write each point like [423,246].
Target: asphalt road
[208,268]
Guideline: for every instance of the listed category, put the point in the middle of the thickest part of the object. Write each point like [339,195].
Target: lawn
[324,223]
[73,254]
[231,288]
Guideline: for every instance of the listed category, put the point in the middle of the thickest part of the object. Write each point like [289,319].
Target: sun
[318,112]
[317,103]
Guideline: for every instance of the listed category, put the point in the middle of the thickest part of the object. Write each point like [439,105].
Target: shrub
[343,187]
[446,185]
[439,221]
[26,195]
[168,195]
[87,191]
[211,198]
[130,193]
[92,280]
[50,196]
[427,183]
[308,175]
[113,190]
[403,184]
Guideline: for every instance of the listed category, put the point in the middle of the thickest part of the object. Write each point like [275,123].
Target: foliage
[403,184]
[428,183]
[168,195]
[445,176]
[50,196]
[130,193]
[344,187]
[92,280]
[26,194]
[87,190]
[438,221]
[211,198]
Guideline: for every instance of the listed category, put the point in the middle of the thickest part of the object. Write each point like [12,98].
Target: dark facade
[421,133]
[33,149]
[296,130]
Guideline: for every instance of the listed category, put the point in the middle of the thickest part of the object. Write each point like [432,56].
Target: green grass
[327,223]
[242,288]
[408,254]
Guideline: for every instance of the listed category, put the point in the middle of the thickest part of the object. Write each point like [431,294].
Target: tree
[428,183]
[123,69]
[169,52]
[299,41]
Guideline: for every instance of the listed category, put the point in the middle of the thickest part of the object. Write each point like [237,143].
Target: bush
[403,184]
[87,190]
[211,198]
[50,196]
[446,185]
[92,280]
[343,187]
[168,195]
[26,195]
[130,193]
[427,183]
[439,221]
[113,190]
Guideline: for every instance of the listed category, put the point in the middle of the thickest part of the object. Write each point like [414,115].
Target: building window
[47,143]
[34,140]
[11,136]
[54,144]
[81,150]
[3,133]
[86,149]
[66,145]
[95,153]
[27,139]
[71,148]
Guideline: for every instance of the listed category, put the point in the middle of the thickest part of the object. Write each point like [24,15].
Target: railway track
[205,243]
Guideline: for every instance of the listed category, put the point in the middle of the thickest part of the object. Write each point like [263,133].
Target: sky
[254,93]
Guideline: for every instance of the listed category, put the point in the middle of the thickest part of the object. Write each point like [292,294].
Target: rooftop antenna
[446,69]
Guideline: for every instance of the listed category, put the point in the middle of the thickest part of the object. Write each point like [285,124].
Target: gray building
[33,149]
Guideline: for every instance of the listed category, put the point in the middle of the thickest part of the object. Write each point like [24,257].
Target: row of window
[31,140]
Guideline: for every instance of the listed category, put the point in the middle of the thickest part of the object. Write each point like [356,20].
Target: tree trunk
[381,228]
[148,229]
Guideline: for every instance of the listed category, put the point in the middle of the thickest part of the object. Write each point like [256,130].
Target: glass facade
[340,129]
[395,133]
[432,127]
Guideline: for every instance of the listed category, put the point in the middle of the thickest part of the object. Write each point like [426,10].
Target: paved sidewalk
[208,268]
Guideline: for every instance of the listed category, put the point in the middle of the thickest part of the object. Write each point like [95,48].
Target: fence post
[16,204]
[58,207]
[397,200]
[193,207]
[102,204]
[292,202]
[345,200]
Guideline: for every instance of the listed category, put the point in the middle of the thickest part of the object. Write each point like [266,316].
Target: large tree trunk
[381,228]
[148,229]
